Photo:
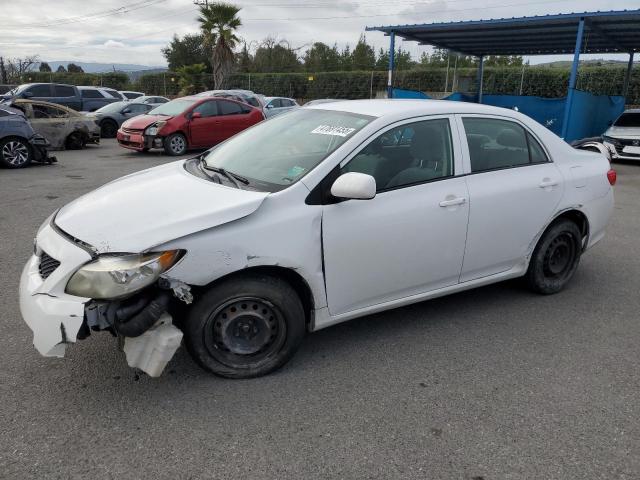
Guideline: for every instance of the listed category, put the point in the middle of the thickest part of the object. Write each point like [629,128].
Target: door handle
[451,202]
[547,182]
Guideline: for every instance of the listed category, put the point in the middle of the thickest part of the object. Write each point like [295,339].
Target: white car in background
[276,105]
[623,136]
[322,215]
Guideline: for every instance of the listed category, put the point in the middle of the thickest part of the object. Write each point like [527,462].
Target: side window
[536,152]
[161,100]
[59,113]
[410,154]
[63,91]
[138,108]
[207,109]
[229,108]
[40,90]
[90,93]
[42,111]
[496,144]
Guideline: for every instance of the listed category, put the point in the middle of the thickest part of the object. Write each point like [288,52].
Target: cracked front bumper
[54,316]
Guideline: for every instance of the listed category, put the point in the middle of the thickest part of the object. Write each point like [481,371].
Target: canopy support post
[573,79]
[627,77]
[392,52]
[480,77]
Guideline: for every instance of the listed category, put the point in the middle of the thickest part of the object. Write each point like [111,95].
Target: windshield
[174,107]
[111,107]
[279,152]
[18,89]
[628,120]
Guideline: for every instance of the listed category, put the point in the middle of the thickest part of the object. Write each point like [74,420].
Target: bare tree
[16,67]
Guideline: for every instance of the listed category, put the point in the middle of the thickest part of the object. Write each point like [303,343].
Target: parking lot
[493,383]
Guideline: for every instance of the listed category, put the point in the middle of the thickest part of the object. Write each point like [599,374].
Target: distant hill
[590,63]
[95,67]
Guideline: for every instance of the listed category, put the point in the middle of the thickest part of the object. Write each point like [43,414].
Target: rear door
[205,131]
[234,117]
[67,96]
[514,190]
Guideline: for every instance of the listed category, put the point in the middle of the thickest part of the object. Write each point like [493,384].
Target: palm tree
[218,22]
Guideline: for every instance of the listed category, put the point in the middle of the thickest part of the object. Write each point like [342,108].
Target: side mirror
[195,115]
[353,185]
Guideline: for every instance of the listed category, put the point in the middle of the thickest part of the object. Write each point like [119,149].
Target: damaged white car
[315,217]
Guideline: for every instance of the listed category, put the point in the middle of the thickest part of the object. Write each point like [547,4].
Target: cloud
[113,44]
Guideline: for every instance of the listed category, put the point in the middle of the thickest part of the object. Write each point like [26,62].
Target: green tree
[61,69]
[188,50]
[244,60]
[44,67]
[321,58]
[363,56]
[503,61]
[73,68]
[190,78]
[219,22]
[345,61]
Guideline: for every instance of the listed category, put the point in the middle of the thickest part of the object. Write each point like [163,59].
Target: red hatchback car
[187,122]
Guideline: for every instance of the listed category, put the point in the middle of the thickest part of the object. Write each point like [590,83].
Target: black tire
[75,141]
[245,327]
[175,144]
[108,128]
[555,258]
[15,153]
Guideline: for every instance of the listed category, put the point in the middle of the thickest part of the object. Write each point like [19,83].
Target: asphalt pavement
[494,383]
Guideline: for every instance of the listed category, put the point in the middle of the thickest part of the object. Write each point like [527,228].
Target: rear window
[90,93]
[64,91]
[628,120]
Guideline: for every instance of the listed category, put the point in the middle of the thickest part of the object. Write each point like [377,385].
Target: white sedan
[329,213]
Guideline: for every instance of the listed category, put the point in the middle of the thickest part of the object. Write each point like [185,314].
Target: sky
[135,31]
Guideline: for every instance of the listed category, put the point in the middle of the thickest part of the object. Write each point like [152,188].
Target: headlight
[114,276]
[154,129]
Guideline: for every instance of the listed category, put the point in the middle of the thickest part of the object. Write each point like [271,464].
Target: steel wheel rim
[244,332]
[16,153]
[177,144]
[559,256]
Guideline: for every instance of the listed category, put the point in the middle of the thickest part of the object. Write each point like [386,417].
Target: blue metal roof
[604,32]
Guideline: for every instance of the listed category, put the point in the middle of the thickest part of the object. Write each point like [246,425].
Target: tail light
[612,176]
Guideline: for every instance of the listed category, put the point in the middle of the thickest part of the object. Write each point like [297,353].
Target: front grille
[132,130]
[47,265]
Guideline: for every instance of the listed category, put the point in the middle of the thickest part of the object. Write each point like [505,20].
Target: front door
[410,238]
[50,122]
[205,130]
[514,190]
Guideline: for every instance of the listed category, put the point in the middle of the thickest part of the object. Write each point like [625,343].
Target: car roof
[384,107]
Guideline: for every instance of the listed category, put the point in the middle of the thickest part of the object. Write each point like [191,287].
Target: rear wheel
[15,153]
[555,258]
[245,327]
[175,144]
[108,128]
[75,141]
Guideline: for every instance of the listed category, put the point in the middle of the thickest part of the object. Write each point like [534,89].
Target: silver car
[623,136]
[110,117]
[152,100]
[277,105]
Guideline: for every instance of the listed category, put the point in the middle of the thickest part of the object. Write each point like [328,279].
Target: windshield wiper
[232,177]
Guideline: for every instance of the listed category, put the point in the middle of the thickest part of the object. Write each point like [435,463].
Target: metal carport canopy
[604,32]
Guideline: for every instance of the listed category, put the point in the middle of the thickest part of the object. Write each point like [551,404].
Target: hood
[143,121]
[151,207]
[623,132]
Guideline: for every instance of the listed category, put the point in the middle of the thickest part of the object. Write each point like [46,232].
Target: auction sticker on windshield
[329,130]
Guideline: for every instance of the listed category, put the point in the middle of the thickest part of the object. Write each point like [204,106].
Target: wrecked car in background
[61,126]
[19,144]
[322,215]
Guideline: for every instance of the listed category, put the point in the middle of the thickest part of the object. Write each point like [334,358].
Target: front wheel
[175,144]
[15,153]
[75,141]
[555,258]
[245,327]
